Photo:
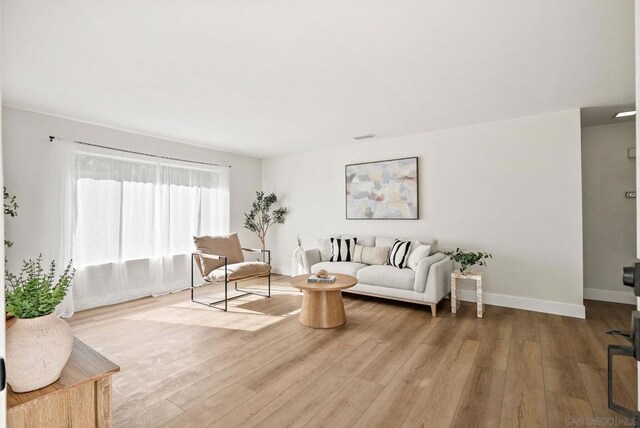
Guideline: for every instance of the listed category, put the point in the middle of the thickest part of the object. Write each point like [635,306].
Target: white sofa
[429,284]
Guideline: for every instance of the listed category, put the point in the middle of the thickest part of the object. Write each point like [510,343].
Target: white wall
[512,188]
[27,151]
[609,219]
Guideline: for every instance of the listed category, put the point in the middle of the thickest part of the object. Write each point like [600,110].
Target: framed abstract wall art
[384,190]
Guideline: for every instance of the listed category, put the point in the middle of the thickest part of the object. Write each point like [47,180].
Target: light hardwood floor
[392,364]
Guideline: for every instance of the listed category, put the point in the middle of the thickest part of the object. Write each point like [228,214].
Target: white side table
[455,290]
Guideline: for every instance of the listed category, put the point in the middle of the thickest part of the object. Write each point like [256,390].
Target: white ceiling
[267,77]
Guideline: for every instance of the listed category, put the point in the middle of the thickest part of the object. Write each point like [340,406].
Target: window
[132,208]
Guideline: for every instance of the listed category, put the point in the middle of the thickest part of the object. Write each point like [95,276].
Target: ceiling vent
[364,137]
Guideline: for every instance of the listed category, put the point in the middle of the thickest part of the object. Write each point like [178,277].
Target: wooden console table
[455,290]
[80,398]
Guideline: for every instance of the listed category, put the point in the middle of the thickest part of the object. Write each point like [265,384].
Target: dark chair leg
[226,283]
[269,289]
[192,257]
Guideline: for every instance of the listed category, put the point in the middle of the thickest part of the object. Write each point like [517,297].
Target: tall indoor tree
[263,215]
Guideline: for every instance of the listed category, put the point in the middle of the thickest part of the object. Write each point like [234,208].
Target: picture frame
[383,190]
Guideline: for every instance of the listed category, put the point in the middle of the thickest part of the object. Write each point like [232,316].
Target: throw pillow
[399,254]
[324,245]
[418,252]
[342,249]
[225,245]
[357,253]
[375,255]
[370,255]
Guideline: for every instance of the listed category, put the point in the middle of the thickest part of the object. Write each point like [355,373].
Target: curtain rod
[51,138]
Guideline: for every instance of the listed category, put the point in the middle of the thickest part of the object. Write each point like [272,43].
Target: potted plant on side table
[467,259]
[38,343]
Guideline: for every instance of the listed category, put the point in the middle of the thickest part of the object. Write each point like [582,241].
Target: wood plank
[568,411]
[304,376]
[595,381]
[347,407]
[213,408]
[407,339]
[481,401]
[301,409]
[561,371]
[524,396]
[394,403]
[153,416]
[437,403]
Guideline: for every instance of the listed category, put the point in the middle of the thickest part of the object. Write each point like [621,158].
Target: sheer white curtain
[131,221]
[63,179]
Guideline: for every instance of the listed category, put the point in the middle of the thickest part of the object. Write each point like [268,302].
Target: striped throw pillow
[342,249]
[399,254]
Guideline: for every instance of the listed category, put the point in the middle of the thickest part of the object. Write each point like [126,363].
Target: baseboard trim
[609,296]
[536,305]
[528,304]
[280,270]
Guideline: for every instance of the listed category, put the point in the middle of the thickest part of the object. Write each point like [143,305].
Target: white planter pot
[297,267]
[37,351]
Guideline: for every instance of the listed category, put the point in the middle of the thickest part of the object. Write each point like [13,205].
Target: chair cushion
[347,268]
[387,276]
[224,245]
[238,271]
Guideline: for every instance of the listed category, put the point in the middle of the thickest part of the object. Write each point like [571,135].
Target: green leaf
[34,293]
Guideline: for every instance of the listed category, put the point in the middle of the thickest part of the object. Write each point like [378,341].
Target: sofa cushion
[387,276]
[347,268]
[238,271]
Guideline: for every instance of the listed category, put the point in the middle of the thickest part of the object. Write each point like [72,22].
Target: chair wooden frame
[226,279]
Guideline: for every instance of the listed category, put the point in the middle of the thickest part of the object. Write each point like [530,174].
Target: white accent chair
[428,285]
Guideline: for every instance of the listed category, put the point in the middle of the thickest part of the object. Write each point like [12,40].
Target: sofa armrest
[310,258]
[423,270]
[439,280]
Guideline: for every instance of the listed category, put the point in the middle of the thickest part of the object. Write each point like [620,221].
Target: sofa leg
[433,309]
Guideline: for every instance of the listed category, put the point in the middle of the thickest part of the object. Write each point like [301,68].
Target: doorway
[608,206]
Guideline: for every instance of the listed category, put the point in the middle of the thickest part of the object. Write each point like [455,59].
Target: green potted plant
[38,343]
[467,259]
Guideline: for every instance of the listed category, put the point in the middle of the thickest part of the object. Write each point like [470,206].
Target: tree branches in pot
[468,259]
[38,343]
[263,215]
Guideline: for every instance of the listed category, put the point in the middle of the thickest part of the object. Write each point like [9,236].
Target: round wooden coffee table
[322,305]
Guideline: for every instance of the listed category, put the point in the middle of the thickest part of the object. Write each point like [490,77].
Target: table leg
[322,309]
[455,296]
[479,298]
